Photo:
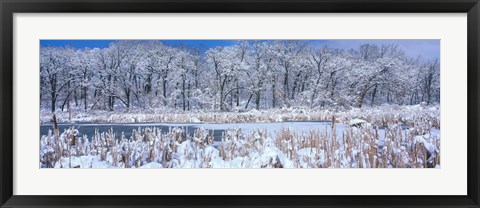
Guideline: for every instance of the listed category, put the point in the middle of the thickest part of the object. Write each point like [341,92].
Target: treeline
[248,74]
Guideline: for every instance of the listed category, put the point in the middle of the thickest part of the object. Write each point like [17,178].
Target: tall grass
[383,116]
[354,147]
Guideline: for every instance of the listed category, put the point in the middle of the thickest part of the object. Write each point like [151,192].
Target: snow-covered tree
[130,75]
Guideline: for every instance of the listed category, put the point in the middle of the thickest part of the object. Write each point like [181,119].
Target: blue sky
[428,49]
[203,44]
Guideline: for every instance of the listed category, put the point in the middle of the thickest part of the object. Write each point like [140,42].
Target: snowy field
[404,138]
[239,104]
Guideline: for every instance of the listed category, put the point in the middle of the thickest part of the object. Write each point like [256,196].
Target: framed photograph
[246,104]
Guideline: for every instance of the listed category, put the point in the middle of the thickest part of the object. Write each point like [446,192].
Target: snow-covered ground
[382,137]
[283,145]
[383,115]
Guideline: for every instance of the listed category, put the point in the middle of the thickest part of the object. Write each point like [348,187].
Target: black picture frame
[9,7]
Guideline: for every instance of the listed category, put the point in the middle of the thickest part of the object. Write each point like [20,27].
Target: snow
[249,104]
[290,144]
[270,127]
[357,122]
[82,162]
[152,165]
[241,150]
[428,145]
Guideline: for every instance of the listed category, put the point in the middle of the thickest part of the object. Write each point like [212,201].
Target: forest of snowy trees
[249,74]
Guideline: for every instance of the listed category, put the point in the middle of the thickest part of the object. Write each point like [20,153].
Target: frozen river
[216,128]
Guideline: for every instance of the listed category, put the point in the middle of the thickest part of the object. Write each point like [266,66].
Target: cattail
[55,125]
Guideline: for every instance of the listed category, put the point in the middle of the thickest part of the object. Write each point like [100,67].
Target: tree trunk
[248,101]
[85,98]
[183,94]
[373,95]
[295,85]
[164,88]
[221,99]
[127,95]
[237,94]
[75,98]
[68,97]
[360,98]
[411,98]
[285,86]
[53,101]
[257,99]
[188,96]
[273,95]
[148,85]
[222,91]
